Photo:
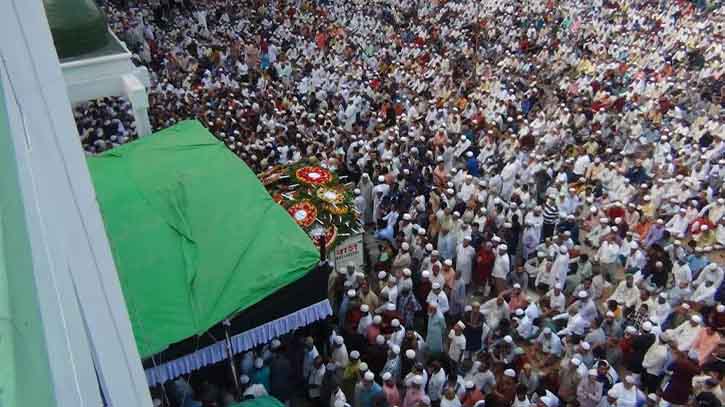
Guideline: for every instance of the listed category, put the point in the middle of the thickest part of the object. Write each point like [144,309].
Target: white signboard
[350,251]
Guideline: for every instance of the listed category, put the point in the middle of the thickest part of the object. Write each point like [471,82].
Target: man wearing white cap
[390,389]
[626,293]
[627,394]
[392,364]
[368,392]
[438,296]
[339,352]
[501,268]
[465,254]
[436,330]
[415,392]
[589,391]
[684,334]
[496,309]
[314,380]
[405,226]
[366,194]
[549,343]
[390,291]
[436,382]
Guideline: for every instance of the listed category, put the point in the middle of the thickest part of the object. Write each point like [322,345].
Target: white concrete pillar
[135,91]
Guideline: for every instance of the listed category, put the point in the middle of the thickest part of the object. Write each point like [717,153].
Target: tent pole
[226,324]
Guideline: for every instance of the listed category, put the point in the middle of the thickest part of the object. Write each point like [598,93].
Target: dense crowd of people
[544,181]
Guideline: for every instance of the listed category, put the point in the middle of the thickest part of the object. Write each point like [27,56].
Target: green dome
[78,26]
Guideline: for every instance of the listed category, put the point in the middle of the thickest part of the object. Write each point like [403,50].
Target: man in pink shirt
[705,342]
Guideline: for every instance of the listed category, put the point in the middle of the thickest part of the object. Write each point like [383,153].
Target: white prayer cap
[407,216]
[517,285]
[696,319]
[582,294]
[390,306]
[377,319]
[576,361]
[355,355]
[557,286]
[425,274]
[395,323]
[410,354]
[519,312]
[339,340]
[395,349]
[275,344]
[435,253]
[685,305]
[418,380]
[364,308]
[460,324]
[405,246]
[380,339]
[610,314]
[448,262]
[381,178]
[429,247]
[469,154]
[585,345]
[603,220]
[508,339]
[612,393]
[421,232]
[387,376]
[436,286]
[450,191]
[350,293]
[503,247]
[652,397]
[630,330]
[382,275]
[720,308]
[357,191]
[406,272]
[244,379]
[509,373]
[369,376]
[547,330]
[469,384]
[258,363]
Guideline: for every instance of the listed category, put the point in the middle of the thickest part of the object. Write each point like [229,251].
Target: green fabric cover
[78,26]
[194,234]
[267,401]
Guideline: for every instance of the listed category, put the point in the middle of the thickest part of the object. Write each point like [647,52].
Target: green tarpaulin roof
[267,401]
[194,234]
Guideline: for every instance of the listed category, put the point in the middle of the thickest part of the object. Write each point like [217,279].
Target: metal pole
[226,324]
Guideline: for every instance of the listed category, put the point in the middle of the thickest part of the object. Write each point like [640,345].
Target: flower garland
[315,198]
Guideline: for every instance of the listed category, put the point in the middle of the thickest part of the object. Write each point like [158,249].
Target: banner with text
[350,251]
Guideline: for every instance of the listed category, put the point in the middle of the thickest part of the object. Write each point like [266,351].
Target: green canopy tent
[267,401]
[195,236]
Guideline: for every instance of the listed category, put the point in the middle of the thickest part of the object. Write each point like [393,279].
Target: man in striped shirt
[551,217]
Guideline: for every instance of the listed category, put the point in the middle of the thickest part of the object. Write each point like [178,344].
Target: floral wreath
[304,213]
[313,175]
